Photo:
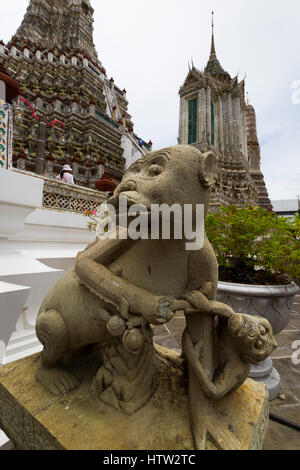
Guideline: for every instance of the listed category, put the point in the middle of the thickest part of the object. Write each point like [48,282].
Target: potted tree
[259,268]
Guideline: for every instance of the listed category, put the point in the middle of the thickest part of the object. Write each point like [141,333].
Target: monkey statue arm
[201,304]
[232,376]
[91,270]
[245,340]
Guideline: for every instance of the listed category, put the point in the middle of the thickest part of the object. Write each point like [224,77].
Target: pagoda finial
[213,49]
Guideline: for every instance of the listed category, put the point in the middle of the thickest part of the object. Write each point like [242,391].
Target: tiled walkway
[281,437]
[288,406]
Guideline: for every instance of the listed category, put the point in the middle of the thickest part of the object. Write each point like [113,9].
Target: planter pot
[271,302]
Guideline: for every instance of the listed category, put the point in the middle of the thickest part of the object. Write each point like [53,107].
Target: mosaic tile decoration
[4,134]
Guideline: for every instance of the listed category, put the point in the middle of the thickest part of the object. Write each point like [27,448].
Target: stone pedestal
[34,419]
[266,373]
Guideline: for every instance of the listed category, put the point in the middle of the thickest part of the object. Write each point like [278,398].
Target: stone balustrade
[65,197]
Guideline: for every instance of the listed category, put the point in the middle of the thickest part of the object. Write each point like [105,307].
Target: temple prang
[215,116]
[71,111]
[254,157]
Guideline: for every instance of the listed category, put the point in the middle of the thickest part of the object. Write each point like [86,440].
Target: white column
[225,121]
[203,112]
[236,122]
[207,112]
[180,129]
[220,126]
[92,110]
[230,124]
[200,118]
[185,121]
[2,91]
[244,134]
[20,195]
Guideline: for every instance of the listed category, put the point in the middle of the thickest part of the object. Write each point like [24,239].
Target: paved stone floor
[288,405]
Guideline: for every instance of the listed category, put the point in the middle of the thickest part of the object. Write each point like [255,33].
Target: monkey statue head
[179,174]
[253,337]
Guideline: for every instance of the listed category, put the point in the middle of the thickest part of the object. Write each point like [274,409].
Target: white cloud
[146,45]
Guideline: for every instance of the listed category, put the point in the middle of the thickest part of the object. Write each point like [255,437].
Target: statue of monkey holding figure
[119,287]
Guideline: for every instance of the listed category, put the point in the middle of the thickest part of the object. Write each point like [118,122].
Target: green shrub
[255,246]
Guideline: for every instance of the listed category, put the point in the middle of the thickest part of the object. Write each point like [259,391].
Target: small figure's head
[179,174]
[253,336]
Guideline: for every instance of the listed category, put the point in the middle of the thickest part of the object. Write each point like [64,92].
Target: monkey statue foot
[56,379]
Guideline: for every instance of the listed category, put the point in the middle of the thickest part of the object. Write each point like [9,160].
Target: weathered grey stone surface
[120,287]
[35,420]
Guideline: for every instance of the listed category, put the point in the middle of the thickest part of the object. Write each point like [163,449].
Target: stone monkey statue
[119,287]
[239,341]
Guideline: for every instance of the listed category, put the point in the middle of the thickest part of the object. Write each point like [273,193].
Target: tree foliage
[255,245]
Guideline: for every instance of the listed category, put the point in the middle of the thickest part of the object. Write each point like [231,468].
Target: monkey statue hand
[160,309]
[198,301]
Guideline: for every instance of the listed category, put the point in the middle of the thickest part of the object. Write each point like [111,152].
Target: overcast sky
[146,45]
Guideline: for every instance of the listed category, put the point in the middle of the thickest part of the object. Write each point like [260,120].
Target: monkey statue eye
[135,168]
[154,170]
[263,330]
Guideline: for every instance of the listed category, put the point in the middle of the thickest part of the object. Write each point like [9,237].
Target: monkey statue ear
[208,169]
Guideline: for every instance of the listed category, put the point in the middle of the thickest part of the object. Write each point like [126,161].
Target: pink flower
[94,212]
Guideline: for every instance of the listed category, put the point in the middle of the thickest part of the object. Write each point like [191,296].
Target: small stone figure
[120,287]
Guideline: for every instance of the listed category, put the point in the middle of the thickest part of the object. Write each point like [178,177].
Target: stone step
[3,440]
[22,347]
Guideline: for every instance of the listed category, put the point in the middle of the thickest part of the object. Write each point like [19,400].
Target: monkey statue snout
[126,186]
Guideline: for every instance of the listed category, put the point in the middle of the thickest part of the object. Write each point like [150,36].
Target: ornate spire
[65,25]
[214,67]
[213,49]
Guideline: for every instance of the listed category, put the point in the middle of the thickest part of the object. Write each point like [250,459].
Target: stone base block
[34,419]
[267,374]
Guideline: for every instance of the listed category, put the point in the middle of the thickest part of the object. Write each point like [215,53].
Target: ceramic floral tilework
[5,135]
[10,139]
